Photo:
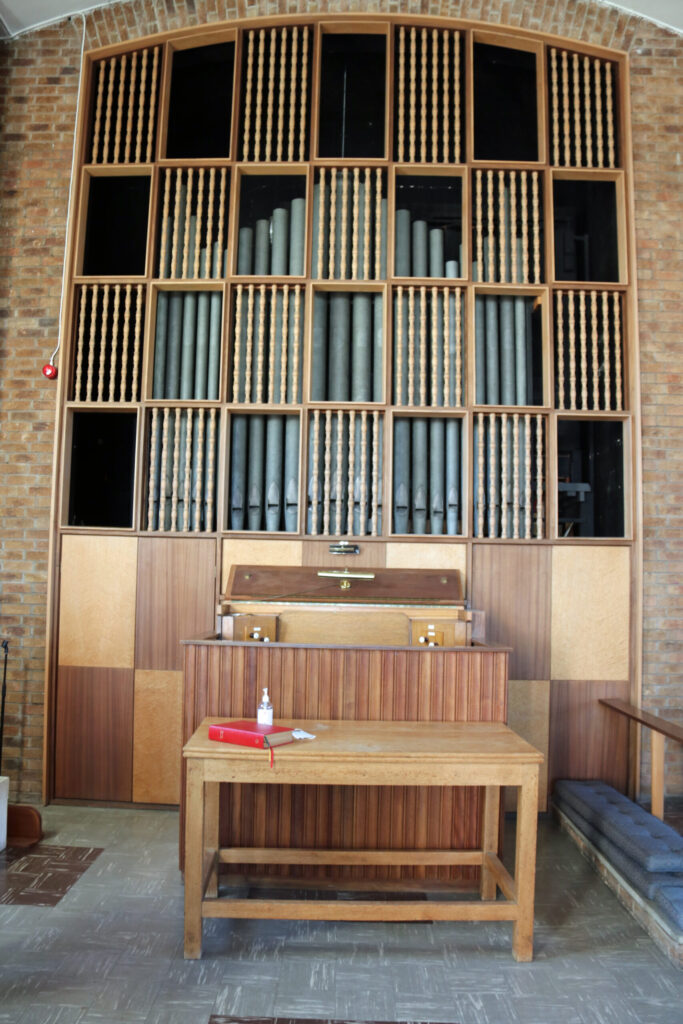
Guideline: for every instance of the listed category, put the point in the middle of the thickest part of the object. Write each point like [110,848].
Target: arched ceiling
[17,16]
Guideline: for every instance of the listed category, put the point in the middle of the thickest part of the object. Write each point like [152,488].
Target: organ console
[341,643]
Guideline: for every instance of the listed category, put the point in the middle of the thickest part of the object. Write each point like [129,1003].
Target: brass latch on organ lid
[345,576]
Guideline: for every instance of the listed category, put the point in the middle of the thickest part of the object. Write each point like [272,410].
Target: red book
[250,734]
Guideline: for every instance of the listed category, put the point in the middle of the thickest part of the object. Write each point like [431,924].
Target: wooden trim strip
[137,343]
[314,473]
[152,105]
[376,442]
[141,106]
[237,344]
[103,342]
[124,346]
[187,489]
[91,345]
[119,109]
[600,155]
[559,346]
[292,96]
[539,476]
[131,107]
[176,467]
[248,97]
[114,342]
[152,476]
[401,92]
[304,93]
[84,292]
[107,116]
[98,114]
[565,110]
[555,107]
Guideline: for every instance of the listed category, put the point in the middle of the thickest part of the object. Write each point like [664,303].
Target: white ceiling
[24,15]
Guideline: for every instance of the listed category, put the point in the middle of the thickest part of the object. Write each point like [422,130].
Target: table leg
[194,857]
[211,844]
[490,821]
[525,866]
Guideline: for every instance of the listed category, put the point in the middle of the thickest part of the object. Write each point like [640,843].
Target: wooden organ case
[345,643]
[362,279]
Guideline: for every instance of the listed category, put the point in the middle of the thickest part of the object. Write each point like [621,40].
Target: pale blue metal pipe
[437,436]
[187,362]
[419,475]
[319,355]
[238,472]
[255,472]
[161,329]
[402,244]
[361,347]
[273,479]
[452,476]
[280,241]
[291,475]
[297,236]
[214,355]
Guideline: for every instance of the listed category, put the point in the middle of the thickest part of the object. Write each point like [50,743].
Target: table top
[452,742]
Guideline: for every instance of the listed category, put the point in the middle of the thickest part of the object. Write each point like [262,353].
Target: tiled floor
[110,951]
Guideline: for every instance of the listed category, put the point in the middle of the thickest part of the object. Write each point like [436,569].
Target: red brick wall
[38,95]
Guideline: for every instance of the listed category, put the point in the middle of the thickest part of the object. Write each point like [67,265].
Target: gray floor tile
[111,951]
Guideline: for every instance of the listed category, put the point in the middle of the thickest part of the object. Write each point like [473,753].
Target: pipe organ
[352,281]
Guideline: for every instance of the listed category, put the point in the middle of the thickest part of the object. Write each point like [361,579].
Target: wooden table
[484,754]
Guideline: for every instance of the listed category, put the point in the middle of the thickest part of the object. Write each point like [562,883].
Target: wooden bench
[348,753]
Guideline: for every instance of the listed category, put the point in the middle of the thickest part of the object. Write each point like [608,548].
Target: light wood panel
[258,552]
[590,628]
[428,556]
[97,601]
[94,734]
[157,737]
[529,716]
[370,556]
[176,598]
[348,683]
[512,584]
[587,741]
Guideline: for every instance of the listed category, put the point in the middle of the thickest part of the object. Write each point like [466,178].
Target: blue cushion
[642,837]
[645,882]
[670,899]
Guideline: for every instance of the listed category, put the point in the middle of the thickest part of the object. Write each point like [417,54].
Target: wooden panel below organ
[94,734]
[176,580]
[591,608]
[157,746]
[316,681]
[587,740]
[97,601]
[512,583]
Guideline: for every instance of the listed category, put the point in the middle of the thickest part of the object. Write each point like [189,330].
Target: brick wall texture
[39,77]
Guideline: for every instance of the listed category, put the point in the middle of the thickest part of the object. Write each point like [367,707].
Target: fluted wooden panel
[348,683]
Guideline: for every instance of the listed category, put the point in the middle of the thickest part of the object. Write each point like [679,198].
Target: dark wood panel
[176,598]
[512,584]
[351,684]
[587,740]
[94,734]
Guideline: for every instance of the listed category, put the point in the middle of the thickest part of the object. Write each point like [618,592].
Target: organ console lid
[388,586]
[361,607]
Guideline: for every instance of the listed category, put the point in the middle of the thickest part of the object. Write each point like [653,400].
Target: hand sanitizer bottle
[264,712]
